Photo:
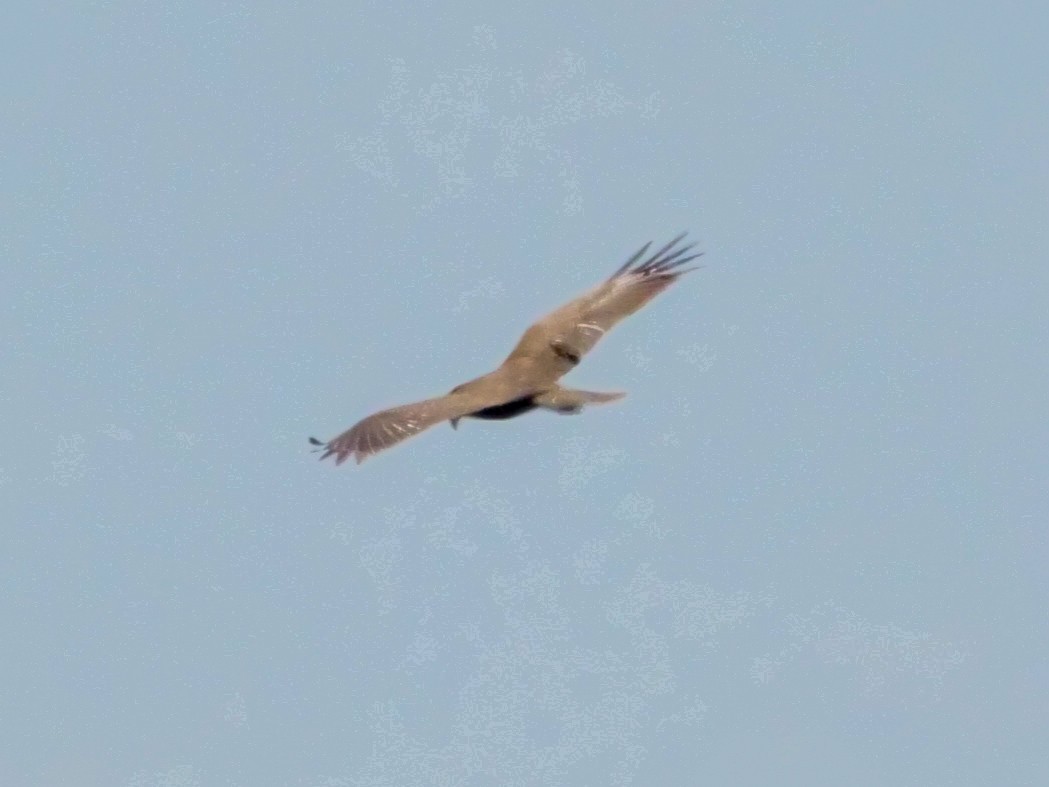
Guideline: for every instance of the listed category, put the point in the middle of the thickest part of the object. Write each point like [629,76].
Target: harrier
[527,379]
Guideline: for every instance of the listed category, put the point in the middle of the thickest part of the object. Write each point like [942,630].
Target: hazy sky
[808,548]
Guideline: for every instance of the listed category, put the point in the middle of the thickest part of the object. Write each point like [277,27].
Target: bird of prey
[528,378]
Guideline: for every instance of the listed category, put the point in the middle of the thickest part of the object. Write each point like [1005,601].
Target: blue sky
[809,547]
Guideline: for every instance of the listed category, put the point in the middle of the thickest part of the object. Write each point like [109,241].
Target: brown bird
[527,379]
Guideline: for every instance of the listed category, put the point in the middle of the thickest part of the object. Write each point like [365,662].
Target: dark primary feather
[658,264]
[631,261]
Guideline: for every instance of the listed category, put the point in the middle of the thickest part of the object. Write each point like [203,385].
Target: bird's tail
[571,400]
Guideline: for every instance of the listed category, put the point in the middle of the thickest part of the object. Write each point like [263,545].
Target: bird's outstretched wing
[574,329]
[389,427]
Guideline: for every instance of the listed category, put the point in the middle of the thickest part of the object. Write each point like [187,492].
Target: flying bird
[528,378]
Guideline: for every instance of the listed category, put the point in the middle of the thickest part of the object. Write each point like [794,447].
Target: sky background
[808,548]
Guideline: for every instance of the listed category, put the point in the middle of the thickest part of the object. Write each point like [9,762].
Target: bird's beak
[455,423]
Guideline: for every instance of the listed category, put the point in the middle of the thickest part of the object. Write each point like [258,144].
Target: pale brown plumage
[527,379]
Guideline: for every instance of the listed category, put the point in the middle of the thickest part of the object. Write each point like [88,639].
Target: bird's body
[556,398]
[528,379]
[511,409]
